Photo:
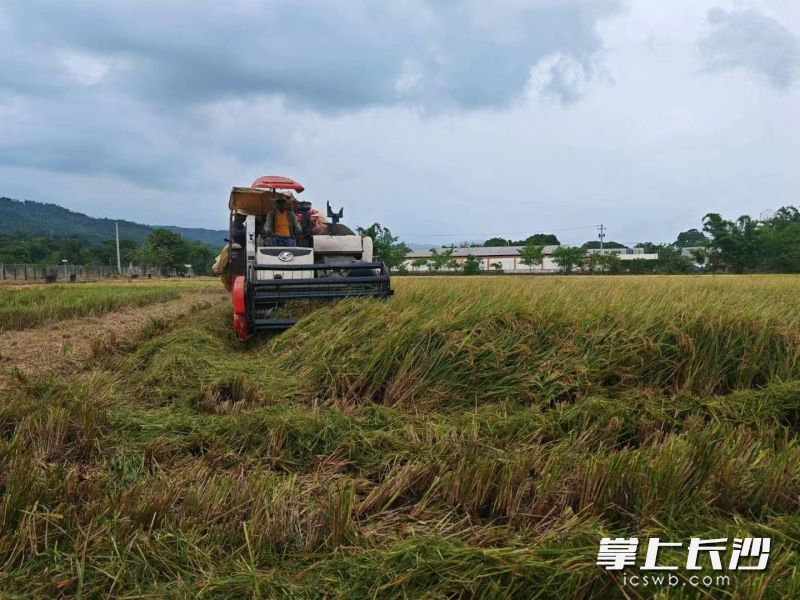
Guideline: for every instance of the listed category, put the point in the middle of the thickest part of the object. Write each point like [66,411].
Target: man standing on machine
[280,226]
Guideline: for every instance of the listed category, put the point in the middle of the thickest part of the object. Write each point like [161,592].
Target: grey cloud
[563,77]
[753,41]
[146,91]
[113,135]
[325,55]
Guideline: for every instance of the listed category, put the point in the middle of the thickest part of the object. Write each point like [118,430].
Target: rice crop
[28,306]
[469,437]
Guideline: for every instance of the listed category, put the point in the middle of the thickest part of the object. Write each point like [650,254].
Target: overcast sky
[444,120]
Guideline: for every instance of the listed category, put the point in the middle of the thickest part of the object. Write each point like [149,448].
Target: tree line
[163,250]
[743,245]
[747,245]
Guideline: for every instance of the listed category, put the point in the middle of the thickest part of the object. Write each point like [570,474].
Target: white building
[508,258]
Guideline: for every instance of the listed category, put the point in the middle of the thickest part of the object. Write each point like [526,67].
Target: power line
[528,232]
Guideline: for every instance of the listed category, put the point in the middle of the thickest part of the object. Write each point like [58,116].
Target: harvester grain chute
[329,262]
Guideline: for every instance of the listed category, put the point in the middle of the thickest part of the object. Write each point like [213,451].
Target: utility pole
[602,236]
[119,263]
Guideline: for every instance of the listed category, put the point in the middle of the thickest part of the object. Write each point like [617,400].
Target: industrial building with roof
[509,260]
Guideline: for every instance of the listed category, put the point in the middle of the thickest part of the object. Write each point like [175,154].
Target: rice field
[34,305]
[470,437]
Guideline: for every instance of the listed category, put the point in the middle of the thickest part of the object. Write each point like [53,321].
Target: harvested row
[36,305]
[65,345]
[281,490]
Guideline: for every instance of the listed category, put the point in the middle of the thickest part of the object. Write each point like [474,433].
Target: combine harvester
[330,261]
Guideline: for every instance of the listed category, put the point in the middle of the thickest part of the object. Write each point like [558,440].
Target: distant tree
[669,260]
[612,263]
[736,241]
[699,255]
[748,245]
[542,239]
[72,251]
[531,255]
[200,256]
[105,253]
[164,250]
[604,263]
[783,217]
[451,262]
[672,260]
[24,247]
[537,239]
[568,257]
[594,262]
[640,266]
[472,266]
[387,248]
[691,238]
[419,263]
[648,247]
[126,250]
[595,245]
[714,260]
[442,260]
[435,263]
[780,241]
[497,266]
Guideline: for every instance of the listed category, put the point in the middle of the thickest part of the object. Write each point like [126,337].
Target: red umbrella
[273,182]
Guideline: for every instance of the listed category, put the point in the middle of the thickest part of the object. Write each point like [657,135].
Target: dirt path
[65,344]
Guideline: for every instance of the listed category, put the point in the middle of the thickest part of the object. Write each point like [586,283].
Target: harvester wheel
[240,325]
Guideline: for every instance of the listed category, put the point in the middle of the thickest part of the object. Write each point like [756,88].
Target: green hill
[211,237]
[53,220]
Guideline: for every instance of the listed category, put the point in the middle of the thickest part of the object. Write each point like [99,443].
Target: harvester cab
[329,262]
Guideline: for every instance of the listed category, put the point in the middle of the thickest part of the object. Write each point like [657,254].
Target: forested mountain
[56,221]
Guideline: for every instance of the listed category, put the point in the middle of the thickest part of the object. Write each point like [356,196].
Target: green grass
[29,306]
[467,438]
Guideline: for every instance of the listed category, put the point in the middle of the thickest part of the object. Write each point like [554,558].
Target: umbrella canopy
[274,182]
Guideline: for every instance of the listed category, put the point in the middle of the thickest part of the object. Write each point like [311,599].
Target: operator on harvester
[281,227]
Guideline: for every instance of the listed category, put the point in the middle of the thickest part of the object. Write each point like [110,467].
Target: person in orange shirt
[281,226]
